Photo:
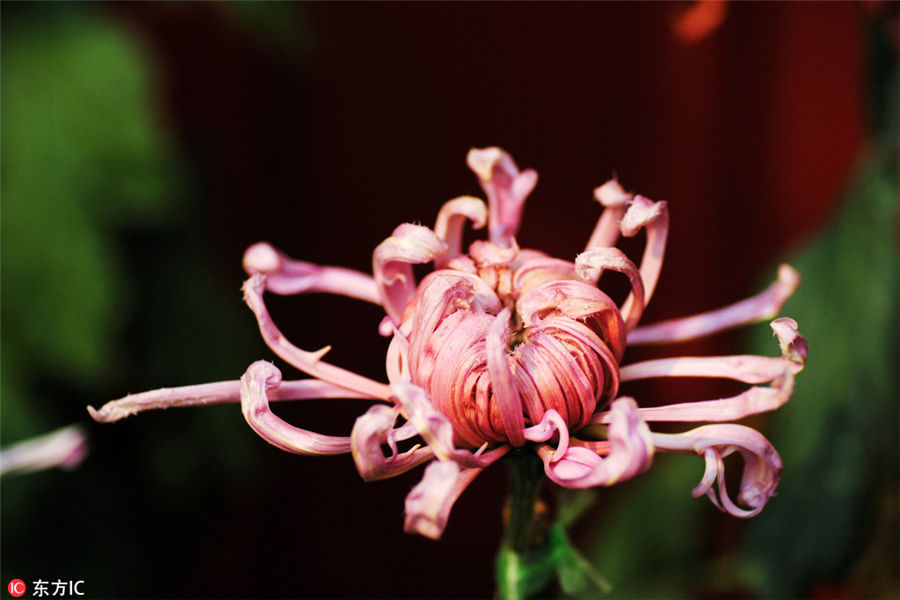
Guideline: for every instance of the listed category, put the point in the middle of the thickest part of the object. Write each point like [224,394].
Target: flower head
[502,347]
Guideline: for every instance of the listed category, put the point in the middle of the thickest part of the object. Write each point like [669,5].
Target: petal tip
[261,258]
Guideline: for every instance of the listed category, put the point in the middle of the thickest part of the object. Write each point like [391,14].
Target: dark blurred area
[146,145]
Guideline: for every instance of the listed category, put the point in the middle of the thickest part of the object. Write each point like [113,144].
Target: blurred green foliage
[107,288]
[837,436]
[81,160]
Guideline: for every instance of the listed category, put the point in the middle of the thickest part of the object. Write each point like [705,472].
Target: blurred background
[146,145]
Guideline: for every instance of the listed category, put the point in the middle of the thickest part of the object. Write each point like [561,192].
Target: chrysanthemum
[502,347]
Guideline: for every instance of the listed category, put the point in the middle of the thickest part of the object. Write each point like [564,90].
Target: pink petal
[762,465]
[255,384]
[578,301]
[433,426]
[751,369]
[793,345]
[370,432]
[757,308]
[428,505]
[631,452]
[213,393]
[392,264]
[654,218]
[286,276]
[506,188]
[506,397]
[451,218]
[615,200]
[533,271]
[308,362]
[543,431]
[590,264]
[64,448]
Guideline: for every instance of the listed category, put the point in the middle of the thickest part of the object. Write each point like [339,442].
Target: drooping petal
[221,392]
[506,396]
[259,378]
[506,188]
[757,308]
[590,264]
[762,465]
[392,264]
[287,276]
[451,218]
[630,453]
[615,201]
[370,432]
[429,503]
[64,448]
[308,362]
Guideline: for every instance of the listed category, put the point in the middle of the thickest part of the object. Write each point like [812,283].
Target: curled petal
[308,362]
[205,394]
[489,254]
[793,345]
[450,221]
[757,308]
[543,431]
[538,270]
[578,301]
[506,188]
[590,264]
[397,358]
[370,432]
[392,264]
[64,448]
[654,217]
[259,378]
[286,276]
[433,426]
[762,465]
[615,200]
[428,505]
[630,453]
[506,396]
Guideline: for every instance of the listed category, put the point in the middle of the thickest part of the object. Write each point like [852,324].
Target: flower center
[563,340]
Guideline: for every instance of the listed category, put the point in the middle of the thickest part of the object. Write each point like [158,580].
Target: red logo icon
[16,587]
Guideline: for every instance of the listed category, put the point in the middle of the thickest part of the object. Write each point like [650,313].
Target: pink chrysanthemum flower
[503,347]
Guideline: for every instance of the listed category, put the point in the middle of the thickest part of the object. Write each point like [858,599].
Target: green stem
[526,474]
[525,562]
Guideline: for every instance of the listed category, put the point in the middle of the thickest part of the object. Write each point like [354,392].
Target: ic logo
[16,588]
